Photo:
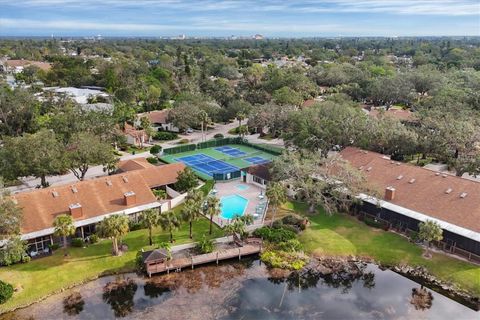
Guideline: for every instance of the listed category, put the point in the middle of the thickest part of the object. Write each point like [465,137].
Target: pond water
[248,290]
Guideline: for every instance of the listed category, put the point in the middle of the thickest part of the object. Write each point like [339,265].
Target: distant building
[17,66]
[82,96]
[136,137]
[258,37]
[158,119]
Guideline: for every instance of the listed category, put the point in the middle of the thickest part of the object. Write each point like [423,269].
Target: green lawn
[342,235]
[44,276]
[237,162]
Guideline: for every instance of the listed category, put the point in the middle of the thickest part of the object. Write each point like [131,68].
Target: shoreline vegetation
[338,237]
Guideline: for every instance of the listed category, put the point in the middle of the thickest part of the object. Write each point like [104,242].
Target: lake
[249,290]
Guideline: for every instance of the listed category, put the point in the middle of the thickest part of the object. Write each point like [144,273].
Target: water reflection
[73,304]
[119,295]
[422,299]
[251,291]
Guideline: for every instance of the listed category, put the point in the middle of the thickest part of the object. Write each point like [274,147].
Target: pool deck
[251,194]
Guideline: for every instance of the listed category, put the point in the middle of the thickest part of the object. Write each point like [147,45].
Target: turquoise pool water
[232,206]
[242,187]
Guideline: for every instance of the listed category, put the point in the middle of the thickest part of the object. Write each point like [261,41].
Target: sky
[271,18]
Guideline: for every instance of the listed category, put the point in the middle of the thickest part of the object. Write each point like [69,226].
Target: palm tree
[242,131]
[240,117]
[204,120]
[429,231]
[213,209]
[169,221]
[150,219]
[114,227]
[64,227]
[276,195]
[192,209]
[238,226]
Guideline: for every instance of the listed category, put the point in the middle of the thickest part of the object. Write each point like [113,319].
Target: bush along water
[283,250]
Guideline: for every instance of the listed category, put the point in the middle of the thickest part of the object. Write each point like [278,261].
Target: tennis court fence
[227,176]
[222,142]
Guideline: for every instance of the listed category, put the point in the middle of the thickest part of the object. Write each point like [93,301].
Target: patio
[257,201]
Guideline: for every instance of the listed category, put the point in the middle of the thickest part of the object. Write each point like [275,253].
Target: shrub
[372,223]
[93,239]
[77,242]
[218,136]
[284,260]
[275,235]
[165,135]
[205,245]
[292,245]
[152,160]
[183,141]
[133,226]
[54,246]
[14,252]
[6,291]
[155,149]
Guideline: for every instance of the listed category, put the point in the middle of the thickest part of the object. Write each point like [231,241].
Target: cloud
[402,7]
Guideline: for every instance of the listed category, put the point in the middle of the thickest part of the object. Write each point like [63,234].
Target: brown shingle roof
[420,189]
[157,116]
[400,114]
[23,63]
[97,197]
[134,164]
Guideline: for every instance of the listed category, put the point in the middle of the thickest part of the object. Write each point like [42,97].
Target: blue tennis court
[257,160]
[206,164]
[234,152]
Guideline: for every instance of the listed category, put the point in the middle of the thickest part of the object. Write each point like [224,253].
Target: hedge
[6,291]
[222,142]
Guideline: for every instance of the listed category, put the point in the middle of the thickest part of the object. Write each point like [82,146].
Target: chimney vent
[130,198]
[369,169]
[125,179]
[389,193]
[463,195]
[74,189]
[448,191]
[76,210]
[109,183]
[55,194]
[412,181]
[400,177]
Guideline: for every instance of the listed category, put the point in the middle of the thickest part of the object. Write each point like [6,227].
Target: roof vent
[412,181]
[365,151]
[369,169]
[386,158]
[125,179]
[437,173]
[444,175]
[360,168]
[74,189]
[392,162]
[398,163]
[400,177]
[55,194]
[463,195]
[448,191]
[109,183]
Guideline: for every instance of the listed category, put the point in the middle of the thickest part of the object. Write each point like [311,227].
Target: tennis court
[222,159]
[234,152]
[257,160]
[206,164]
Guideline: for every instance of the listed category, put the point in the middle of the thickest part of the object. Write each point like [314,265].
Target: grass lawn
[342,235]
[44,276]
[235,161]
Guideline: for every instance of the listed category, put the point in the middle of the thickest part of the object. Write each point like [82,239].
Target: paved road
[30,183]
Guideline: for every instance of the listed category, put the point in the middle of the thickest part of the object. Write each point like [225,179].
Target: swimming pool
[232,206]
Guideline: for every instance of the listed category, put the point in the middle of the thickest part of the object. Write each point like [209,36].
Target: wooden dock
[176,265]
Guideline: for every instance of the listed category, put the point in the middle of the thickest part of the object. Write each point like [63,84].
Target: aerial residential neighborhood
[239,159]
